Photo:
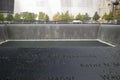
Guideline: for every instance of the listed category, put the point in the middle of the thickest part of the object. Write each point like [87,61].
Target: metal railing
[52,22]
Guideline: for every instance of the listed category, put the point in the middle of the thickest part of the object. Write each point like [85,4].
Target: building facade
[6,6]
[79,6]
[104,7]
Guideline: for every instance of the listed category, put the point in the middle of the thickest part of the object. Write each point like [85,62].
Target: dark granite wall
[110,34]
[86,63]
[52,31]
[2,33]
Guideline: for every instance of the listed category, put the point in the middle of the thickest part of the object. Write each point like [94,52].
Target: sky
[37,5]
[51,7]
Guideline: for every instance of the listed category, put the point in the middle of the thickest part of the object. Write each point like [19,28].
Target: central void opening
[45,44]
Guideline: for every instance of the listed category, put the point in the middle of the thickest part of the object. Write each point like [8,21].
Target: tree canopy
[63,16]
[82,17]
[117,15]
[9,17]
[96,16]
[17,16]
[46,17]
[108,16]
[1,17]
[105,16]
[86,17]
[57,17]
[43,17]
[28,16]
[66,16]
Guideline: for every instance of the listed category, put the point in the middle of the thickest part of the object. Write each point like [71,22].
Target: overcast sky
[50,6]
[36,5]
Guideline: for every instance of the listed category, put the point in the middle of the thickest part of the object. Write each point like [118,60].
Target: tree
[1,17]
[71,17]
[83,17]
[117,15]
[86,17]
[62,17]
[57,17]
[46,17]
[66,16]
[110,16]
[28,16]
[9,17]
[78,17]
[41,16]
[105,16]
[96,16]
[32,16]
[17,16]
